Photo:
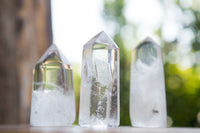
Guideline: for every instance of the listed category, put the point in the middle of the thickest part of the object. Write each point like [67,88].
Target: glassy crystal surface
[53,102]
[99,98]
[147,92]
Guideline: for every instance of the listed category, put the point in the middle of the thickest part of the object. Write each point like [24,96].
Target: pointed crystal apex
[53,52]
[147,51]
[148,41]
[101,38]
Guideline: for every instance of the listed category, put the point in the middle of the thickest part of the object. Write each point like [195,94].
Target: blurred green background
[182,68]
[26,32]
[182,84]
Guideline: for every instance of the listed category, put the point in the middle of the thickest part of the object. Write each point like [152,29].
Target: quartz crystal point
[53,102]
[147,89]
[99,98]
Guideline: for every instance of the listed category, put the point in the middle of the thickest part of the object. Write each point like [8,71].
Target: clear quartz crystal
[99,96]
[147,89]
[53,102]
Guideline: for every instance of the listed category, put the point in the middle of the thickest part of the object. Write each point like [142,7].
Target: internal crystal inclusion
[146,51]
[100,83]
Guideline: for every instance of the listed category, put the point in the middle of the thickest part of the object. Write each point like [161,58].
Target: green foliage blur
[77,79]
[182,84]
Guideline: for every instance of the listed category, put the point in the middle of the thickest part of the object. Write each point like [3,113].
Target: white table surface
[77,129]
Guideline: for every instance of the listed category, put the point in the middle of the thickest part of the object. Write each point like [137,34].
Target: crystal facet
[53,102]
[147,92]
[99,100]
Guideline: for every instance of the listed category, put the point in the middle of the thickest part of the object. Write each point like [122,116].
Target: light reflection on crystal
[147,89]
[99,100]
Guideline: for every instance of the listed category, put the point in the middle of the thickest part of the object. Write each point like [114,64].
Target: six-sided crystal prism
[147,89]
[99,94]
[53,102]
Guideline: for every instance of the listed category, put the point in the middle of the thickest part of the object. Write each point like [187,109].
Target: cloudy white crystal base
[52,108]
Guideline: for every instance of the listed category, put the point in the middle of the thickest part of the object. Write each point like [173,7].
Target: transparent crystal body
[53,102]
[147,89]
[99,96]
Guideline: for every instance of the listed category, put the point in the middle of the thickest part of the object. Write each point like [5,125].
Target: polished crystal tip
[103,39]
[99,98]
[51,52]
[53,102]
[147,89]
